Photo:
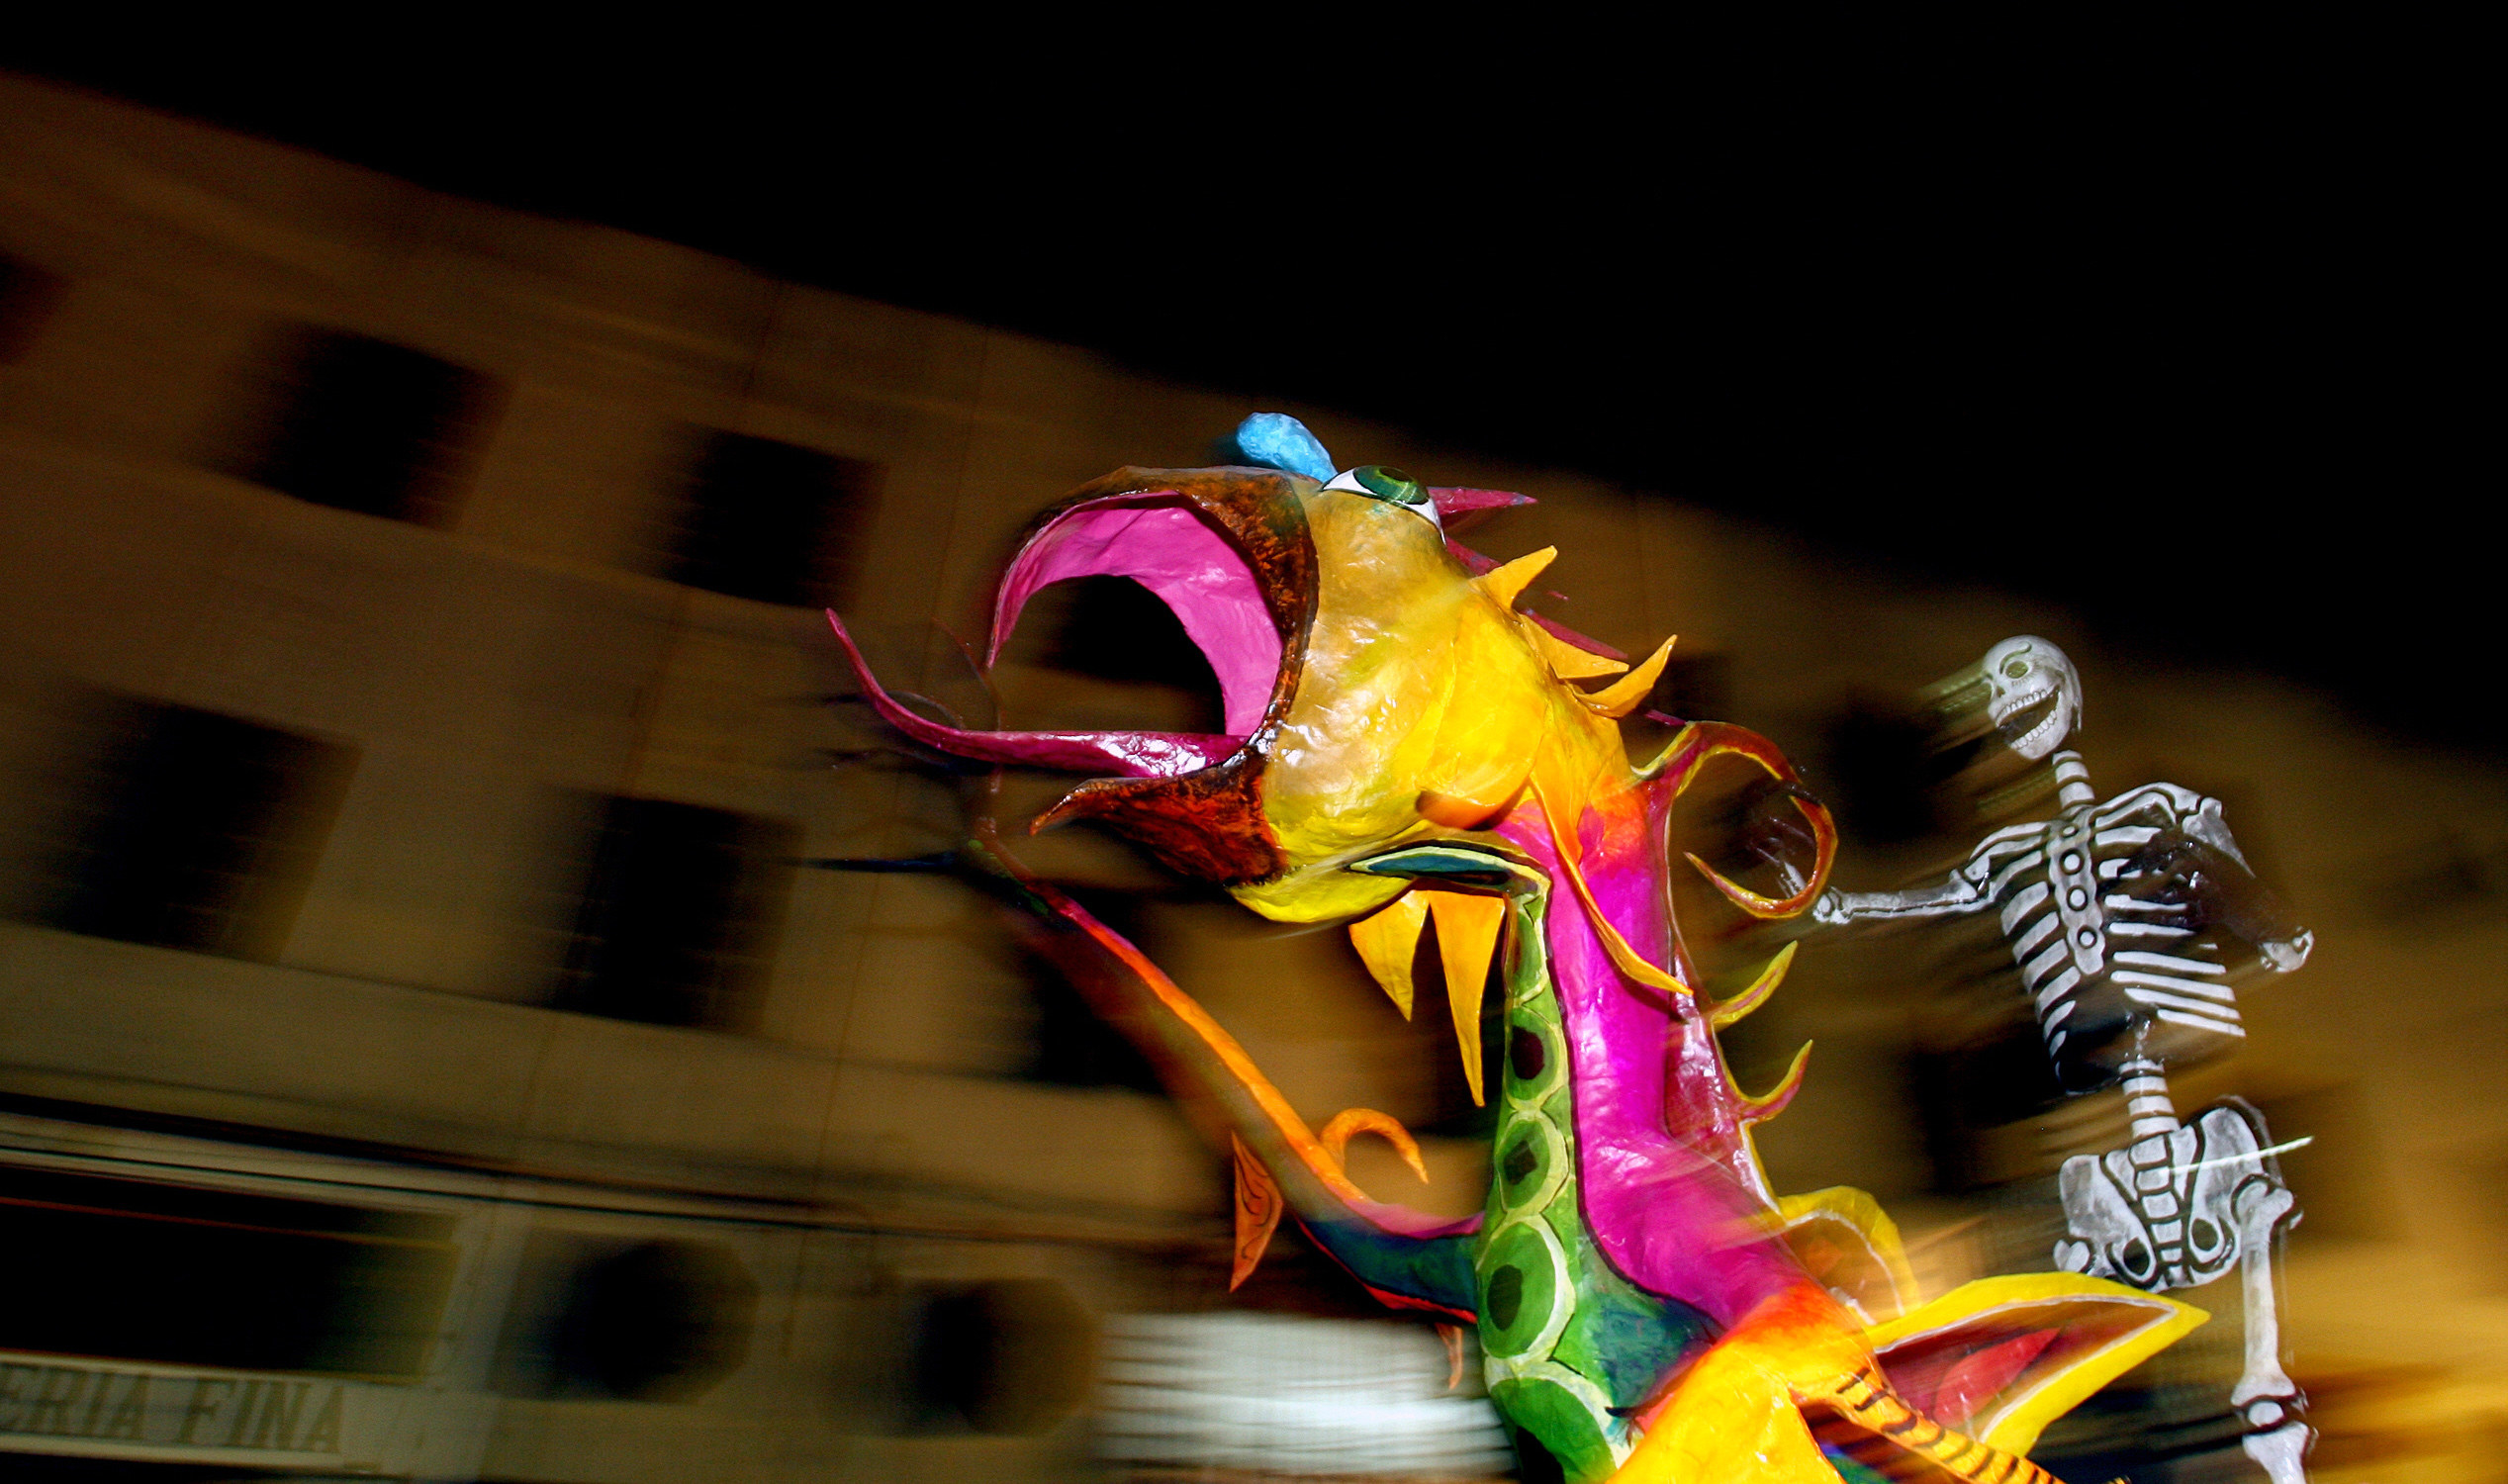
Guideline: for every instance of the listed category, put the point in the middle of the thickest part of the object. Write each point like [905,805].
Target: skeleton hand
[2288,954]
[2184,881]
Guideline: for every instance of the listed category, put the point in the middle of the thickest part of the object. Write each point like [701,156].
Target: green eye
[1390,485]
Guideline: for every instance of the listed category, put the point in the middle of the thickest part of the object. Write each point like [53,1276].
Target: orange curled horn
[1702,741]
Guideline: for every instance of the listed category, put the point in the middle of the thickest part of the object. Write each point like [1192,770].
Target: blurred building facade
[424,1049]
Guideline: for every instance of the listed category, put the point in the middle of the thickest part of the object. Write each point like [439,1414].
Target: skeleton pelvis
[2161,1212]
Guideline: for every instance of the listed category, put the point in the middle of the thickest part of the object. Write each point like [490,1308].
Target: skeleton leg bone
[2266,1398]
[2173,1210]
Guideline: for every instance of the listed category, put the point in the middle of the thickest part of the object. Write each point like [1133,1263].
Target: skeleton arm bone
[1969,889]
[2181,809]
[1953,894]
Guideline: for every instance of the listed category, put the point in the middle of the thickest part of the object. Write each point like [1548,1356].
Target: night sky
[2184,344]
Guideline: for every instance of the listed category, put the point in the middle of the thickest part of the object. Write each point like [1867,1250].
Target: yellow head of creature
[1376,688]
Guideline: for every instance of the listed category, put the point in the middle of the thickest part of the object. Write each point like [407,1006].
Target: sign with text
[112,1409]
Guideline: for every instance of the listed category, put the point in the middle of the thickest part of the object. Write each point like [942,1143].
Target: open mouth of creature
[1170,551]
[1165,544]
[1229,554]
[2030,720]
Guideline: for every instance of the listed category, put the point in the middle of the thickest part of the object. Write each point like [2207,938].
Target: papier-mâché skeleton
[2127,919]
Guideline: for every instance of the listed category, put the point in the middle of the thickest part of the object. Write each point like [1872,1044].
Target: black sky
[2184,346]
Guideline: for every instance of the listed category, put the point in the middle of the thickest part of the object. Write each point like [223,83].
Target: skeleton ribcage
[2112,968]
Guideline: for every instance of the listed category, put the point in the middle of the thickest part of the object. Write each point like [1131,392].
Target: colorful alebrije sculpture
[1401,744]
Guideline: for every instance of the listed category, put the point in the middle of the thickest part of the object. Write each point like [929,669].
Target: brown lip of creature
[1194,801]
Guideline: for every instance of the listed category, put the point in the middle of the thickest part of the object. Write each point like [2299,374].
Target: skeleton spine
[2147,1100]
[2072,780]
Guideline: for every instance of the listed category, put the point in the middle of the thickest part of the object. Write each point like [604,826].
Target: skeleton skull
[2023,673]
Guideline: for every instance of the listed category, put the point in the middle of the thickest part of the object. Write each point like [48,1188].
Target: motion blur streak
[425,1047]
[1291,1396]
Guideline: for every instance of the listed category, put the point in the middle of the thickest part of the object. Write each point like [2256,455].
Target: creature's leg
[1883,1433]
[1745,1411]
[1733,1414]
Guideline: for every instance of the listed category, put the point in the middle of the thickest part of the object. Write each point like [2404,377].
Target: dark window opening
[772,521]
[186,829]
[28,297]
[659,1321]
[1692,687]
[1885,775]
[362,424]
[677,914]
[1013,1356]
[180,1275]
[1993,1077]
[1070,1046]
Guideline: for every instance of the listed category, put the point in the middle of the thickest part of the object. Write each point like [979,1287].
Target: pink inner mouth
[1166,548]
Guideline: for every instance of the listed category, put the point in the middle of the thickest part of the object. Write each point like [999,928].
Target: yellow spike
[1386,943]
[1725,1011]
[1348,1121]
[1621,695]
[1769,1104]
[1506,584]
[1842,1219]
[1626,959]
[1566,660]
[1467,938]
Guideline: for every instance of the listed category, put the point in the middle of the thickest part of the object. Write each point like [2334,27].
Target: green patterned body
[1569,1347]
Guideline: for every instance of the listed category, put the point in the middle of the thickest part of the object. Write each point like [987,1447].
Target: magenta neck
[1668,1184]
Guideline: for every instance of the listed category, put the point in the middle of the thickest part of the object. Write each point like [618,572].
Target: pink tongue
[1122,754]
